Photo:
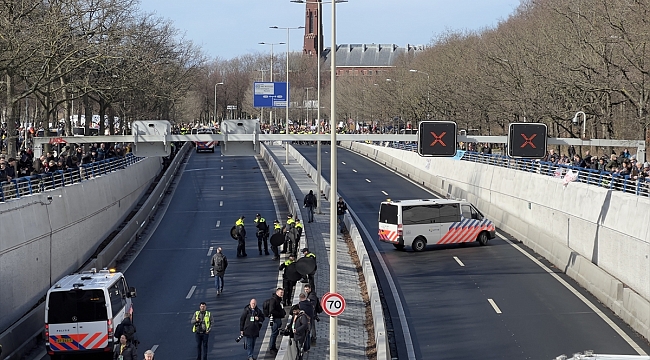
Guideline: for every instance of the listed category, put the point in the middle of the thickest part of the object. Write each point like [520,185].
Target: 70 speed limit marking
[333,304]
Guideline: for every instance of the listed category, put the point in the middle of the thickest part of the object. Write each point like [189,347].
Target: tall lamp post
[309,104]
[584,122]
[271,44]
[428,87]
[286,129]
[215,102]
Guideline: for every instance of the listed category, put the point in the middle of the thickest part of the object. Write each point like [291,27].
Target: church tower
[313,28]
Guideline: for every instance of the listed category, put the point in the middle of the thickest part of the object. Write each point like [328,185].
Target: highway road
[471,301]
[171,273]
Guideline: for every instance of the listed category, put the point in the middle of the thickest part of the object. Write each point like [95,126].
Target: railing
[605,179]
[35,184]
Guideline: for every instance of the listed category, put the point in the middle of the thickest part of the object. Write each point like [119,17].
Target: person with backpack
[274,310]
[318,309]
[262,234]
[127,329]
[300,328]
[310,203]
[219,265]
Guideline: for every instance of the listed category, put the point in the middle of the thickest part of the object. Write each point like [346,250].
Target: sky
[226,29]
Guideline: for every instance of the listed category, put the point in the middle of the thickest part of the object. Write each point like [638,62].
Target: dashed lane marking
[458,261]
[385,193]
[218,223]
[210,250]
[494,306]
[189,294]
[368,180]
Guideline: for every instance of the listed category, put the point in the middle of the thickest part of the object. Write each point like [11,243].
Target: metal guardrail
[604,179]
[29,185]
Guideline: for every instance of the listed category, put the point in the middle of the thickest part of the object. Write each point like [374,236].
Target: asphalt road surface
[172,272]
[470,301]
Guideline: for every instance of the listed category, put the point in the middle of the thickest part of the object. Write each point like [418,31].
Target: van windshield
[76,306]
[388,214]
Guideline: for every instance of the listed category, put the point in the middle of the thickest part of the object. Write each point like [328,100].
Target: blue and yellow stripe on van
[466,231]
[78,342]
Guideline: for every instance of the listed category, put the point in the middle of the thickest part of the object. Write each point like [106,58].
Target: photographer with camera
[276,313]
[250,324]
[299,328]
[201,326]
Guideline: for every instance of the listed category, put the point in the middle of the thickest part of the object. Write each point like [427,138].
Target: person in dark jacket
[250,324]
[127,323]
[277,314]
[310,203]
[241,237]
[262,234]
[300,327]
[124,350]
[219,265]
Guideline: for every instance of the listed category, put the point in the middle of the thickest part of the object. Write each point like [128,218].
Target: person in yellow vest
[201,326]
[241,237]
[288,231]
[124,350]
[262,234]
[277,229]
[287,284]
[295,237]
[309,278]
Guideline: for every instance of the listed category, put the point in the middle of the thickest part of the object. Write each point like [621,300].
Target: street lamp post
[271,44]
[333,187]
[428,87]
[308,104]
[584,122]
[286,129]
[215,102]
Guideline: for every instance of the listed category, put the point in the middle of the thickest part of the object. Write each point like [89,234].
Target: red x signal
[438,138]
[529,141]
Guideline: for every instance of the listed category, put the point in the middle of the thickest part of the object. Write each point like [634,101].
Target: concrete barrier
[23,334]
[597,236]
[381,336]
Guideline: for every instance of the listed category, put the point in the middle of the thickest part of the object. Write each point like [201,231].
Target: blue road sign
[270,94]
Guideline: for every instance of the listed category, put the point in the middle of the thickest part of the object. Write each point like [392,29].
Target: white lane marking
[221,160]
[222,188]
[220,203]
[393,290]
[154,348]
[189,294]
[343,162]
[267,334]
[494,306]
[355,170]
[368,180]
[385,193]
[222,176]
[458,261]
[210,250]
[575,292]
[222,168]
[218,223]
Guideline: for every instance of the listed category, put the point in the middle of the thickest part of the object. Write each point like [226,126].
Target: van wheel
[419,244]
[398,246]
[482,238]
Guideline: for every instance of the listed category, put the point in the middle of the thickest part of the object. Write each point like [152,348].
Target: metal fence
[35,184]
[568,173]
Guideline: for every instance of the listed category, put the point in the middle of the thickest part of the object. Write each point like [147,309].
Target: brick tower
[313,28]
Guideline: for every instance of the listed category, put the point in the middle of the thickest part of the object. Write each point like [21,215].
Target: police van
[205,145]
[83,310]
[432,221]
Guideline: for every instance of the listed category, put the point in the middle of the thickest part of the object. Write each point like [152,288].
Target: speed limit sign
[333,304]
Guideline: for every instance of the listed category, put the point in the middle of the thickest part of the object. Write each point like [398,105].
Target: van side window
[467,211]
[117,300]
[417,215]
[476,214]
[449,213]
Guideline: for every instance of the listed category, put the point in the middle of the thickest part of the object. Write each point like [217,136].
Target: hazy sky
[229,28]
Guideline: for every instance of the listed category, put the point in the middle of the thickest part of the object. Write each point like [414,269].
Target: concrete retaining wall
[42,240]
[599,237]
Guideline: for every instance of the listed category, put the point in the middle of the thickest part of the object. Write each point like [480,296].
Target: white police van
[83,310]
[433,221]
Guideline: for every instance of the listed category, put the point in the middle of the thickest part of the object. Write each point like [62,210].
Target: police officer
[287,233]
[309,278]
[277,229]
[262,234]
[286,283]
[241,237]
[295,238]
